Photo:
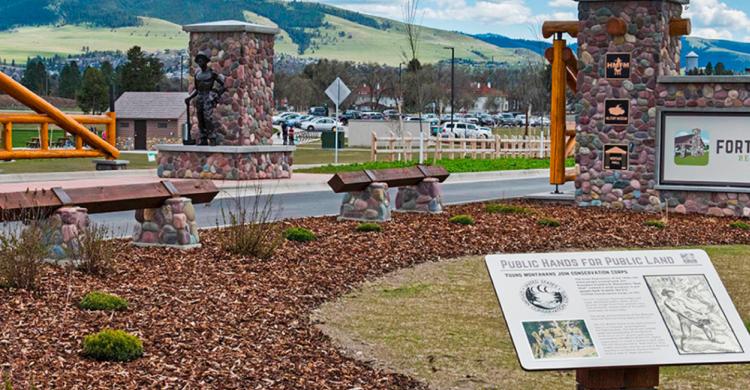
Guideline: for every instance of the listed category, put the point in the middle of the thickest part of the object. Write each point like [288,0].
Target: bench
[33,143]
[367,197]
[164,211]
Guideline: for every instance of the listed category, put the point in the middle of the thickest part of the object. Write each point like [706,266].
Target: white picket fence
[407,147]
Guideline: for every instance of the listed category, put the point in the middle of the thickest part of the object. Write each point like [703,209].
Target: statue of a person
[208,98]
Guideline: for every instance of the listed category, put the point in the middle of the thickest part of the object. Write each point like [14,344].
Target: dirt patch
[209,319]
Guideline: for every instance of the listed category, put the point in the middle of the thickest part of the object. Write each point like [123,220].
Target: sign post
[337,92]
[615,317]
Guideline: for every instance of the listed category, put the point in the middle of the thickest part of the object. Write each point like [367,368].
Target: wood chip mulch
[212,320]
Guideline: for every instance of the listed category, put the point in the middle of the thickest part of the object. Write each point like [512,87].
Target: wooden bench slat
[394,177]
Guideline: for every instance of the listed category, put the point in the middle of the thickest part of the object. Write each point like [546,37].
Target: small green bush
[462,219]
[369,227]
[740,225]
[112,345]
[299,234]
[97,300]
[499,208]
[656,223]
[548,222]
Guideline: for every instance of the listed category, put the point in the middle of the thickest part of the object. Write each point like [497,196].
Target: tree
[140,73]
[93,96]
[721,70]
[709,69]
[35,76]
[70,80]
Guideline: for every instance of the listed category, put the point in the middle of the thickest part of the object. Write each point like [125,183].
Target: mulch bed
[212,320]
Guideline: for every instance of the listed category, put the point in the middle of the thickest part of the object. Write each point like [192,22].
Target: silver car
[320,124]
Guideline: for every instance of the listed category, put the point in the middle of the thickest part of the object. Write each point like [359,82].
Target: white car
[320,124]
[458,130]
[481,132]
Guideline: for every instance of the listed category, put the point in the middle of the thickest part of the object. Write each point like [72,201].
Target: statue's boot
[204,141]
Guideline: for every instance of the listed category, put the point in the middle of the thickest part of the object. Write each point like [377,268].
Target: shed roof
[151,105]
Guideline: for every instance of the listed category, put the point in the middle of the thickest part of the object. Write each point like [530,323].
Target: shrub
[299,234]
[499,208]
[462,219]
[97,300]
[248,223]
[369,227]
[112,345]
[548,222]
[96,251]
[740,225]
[22,254]
[656,223]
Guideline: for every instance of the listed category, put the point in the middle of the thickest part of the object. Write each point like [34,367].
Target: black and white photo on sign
[693,316]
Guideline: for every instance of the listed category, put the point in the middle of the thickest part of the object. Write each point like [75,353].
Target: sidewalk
[300,182]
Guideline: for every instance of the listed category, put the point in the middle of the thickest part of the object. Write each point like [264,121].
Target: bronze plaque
[618,66]
[616,112]
[616,157]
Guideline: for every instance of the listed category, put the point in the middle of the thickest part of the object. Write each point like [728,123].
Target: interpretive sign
[616,157]
[616,309]
[701,150]
[618,66]
[616,112]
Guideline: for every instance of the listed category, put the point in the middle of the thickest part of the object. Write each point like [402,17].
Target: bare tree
[410,9]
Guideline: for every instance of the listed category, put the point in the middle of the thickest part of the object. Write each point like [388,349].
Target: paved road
[318,203]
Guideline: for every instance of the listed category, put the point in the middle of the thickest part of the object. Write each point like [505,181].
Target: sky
[715,19]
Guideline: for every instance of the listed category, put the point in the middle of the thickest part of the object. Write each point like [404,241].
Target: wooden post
[8,136]
[474,149]
[44,136]
[374,147]
[112,129]
[557,117]
[625,378]
[392,146]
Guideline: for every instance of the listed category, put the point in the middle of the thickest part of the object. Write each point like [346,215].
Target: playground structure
[46,115]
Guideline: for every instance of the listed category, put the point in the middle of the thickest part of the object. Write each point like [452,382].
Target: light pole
[453,80]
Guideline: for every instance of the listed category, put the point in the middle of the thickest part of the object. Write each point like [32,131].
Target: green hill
[309,30]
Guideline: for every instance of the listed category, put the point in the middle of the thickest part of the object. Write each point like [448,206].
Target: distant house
[690,145]
[145,119]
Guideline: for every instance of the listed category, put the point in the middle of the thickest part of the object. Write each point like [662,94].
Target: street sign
[338,91]
[617,309]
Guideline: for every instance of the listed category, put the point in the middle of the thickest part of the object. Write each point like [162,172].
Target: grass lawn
[692,160]
[313,154]
[453,166]
[441,323]
[137,161]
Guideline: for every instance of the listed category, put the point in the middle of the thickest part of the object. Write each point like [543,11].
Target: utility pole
[453,81]
[182,63]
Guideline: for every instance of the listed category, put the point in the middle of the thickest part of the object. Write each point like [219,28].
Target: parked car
[297,122]
[458,130]
[319,124]
[291,118]
[390,114]
[481,132]
[373,116]
[318,111]
[507,119]
[487,120]
[280,117]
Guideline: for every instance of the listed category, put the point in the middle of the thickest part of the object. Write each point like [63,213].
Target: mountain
[537,47]
[309,30]
[734,55]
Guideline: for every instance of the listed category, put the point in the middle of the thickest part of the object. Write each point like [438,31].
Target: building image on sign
[693,316]
[559,339]
[692,147]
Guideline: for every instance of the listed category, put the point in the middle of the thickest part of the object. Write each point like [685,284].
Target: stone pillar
[243,53]
[66,227]
[426,197]
[172,225]
[372,204]
[653,53]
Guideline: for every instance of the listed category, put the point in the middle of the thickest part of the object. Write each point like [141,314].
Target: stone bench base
[425,197]
[65,229]
[224,162]
[372,204]
[173,225]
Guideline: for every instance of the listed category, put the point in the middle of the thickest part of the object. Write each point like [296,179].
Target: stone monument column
[242,53]
[640,30]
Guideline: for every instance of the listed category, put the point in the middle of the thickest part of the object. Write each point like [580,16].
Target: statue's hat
[203,54]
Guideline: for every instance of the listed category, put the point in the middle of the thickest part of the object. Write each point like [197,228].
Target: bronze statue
[208,98]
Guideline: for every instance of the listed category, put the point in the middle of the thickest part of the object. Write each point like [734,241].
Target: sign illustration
[559,339]
[616,157]
[616,112]
[692,147]
[618,66]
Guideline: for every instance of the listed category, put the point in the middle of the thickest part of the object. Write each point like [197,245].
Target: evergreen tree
[709,69]
[35,76]
[140,73]
[70,80]
[93,96]
[721,70]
